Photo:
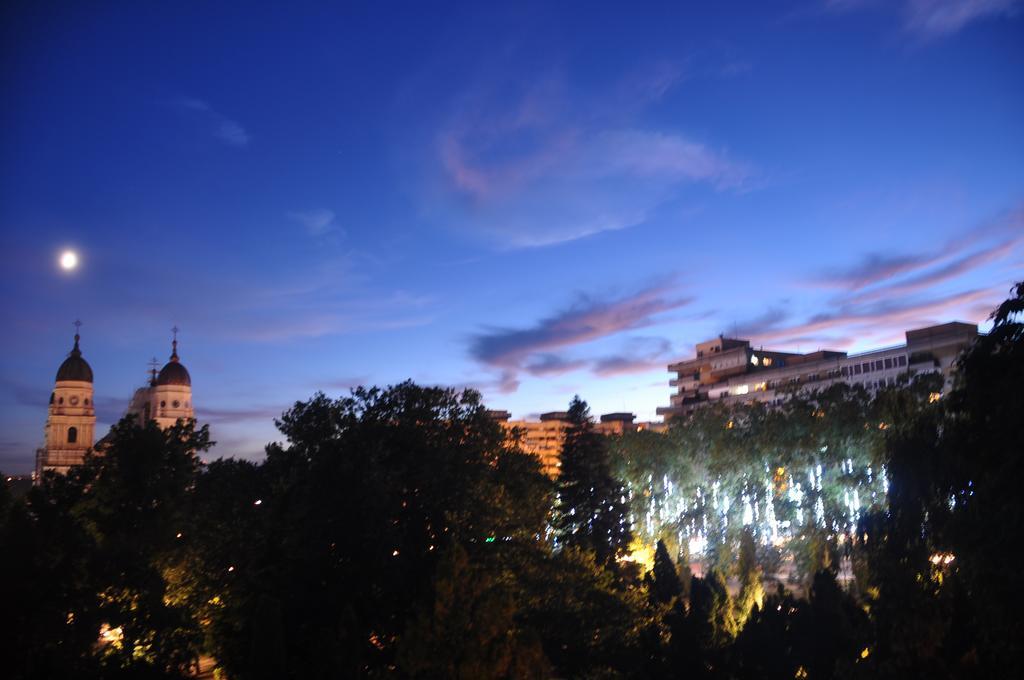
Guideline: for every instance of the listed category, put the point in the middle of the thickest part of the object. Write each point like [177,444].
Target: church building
[71,421]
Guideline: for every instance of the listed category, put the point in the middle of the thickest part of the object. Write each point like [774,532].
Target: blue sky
[535,201]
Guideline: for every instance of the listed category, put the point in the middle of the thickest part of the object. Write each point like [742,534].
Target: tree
[468,628]
[591,511]
[589,623]
[355,508]
[50,616]
[711,611]
[982,454]
[768,647]
[94,548]
[135,502]
[666,585]
[751,594]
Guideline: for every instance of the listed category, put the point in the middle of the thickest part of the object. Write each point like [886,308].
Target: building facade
[71,417]
[728,370]
[543,438]
[70,430]
[168,396]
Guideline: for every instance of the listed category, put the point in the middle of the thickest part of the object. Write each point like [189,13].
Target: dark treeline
[401,532]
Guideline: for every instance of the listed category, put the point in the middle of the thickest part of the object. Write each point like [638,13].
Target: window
[901,360]
[878,365]
[856,369]
[866,366]
[60,400]
[72,435]
[87,401]
[888,363]
[175,403]
[844,371]
[163,404]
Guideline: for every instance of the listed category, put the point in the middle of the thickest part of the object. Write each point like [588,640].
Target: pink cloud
[587,320]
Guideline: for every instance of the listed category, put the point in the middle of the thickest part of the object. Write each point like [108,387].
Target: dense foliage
[401,532]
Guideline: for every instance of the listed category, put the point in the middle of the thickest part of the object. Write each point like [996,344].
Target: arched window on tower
[72,435]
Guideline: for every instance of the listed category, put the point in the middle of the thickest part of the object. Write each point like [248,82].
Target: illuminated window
[766,361]
[742,389]
[754,360]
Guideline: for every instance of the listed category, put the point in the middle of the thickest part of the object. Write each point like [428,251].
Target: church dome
[174,373]
[75,367]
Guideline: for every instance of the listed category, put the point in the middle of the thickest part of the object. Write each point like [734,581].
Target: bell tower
[71,421]
[172,391]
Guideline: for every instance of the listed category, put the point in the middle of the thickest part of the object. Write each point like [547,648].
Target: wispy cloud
[874,268]
[933,19]
[882,319]
[222,416]
[947,272]
[639,355]
[534,350]
[586,320]
[538,171]
[938,18]
[318,222]
[880,297]
[962,254]
[543,365]
[223,128]
[344,383]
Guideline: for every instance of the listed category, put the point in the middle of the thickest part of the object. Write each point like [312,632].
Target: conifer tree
[592,512]
[710,614]
[665,584]
[751,591]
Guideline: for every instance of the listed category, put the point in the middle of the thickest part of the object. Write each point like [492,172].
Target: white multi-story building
[731,371]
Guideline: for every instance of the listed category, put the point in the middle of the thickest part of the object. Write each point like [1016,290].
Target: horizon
[534,203]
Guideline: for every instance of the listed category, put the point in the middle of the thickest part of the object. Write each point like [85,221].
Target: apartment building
[732,371]
[543,438]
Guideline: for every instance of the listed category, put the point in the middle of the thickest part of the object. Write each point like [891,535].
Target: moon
[68,260]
